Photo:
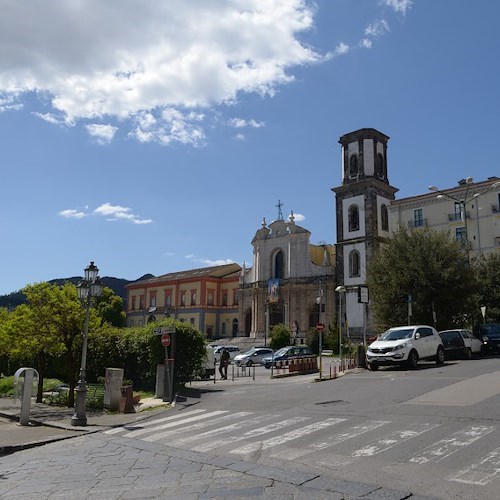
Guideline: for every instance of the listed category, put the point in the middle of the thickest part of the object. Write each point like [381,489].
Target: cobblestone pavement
[107,467]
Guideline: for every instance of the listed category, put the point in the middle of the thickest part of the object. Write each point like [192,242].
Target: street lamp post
[341,290]
[463,203]
[88,288]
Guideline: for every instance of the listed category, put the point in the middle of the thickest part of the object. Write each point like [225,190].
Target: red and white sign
[165,340]
[320,327]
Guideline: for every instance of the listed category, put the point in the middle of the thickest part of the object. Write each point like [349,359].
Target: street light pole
[463,204]
[88,288]
[341,290]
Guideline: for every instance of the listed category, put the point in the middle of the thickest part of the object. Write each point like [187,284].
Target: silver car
[253,356]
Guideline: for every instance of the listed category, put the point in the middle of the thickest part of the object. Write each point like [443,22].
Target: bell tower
[362,217]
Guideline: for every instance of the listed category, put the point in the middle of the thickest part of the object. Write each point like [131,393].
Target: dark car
[294,351]
[460,344]
[489,333]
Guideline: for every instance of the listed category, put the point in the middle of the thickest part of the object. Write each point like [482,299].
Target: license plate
[381,358]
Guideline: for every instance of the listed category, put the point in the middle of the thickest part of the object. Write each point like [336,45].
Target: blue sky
[152,137]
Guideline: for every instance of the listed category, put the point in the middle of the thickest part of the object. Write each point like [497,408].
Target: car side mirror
[417,335]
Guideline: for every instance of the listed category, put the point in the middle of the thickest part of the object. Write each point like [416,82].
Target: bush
[280,336]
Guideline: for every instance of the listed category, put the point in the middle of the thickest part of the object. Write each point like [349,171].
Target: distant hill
[118,285]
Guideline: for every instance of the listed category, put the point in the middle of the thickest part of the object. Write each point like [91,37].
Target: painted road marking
[445,447]
[168,425]
[289,436]
[157,436]
[355,431]
[154,422]
[392,440]
[251,434]
[221,430]
[481,473]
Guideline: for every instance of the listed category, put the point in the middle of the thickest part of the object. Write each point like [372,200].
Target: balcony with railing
[417,223]
[457,216]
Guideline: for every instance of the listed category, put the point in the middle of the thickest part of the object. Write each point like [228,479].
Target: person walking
[224,362]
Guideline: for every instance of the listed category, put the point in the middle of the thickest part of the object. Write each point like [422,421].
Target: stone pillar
[113,388]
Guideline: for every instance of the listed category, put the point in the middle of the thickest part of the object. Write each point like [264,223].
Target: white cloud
[162,64]
[366,43]
[398,5]
[240,137]
[102,133]
[241,123]
[298,217]
[208,262]
[116,212]
[376,29]
[71,213]
[341,49]
[219,262]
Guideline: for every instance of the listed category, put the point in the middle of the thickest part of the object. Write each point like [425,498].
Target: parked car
[293,351]
[460,344]
[253,356]
[233,351]
[489,334]
[405,345]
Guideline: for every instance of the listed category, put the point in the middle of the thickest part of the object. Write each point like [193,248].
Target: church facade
[291,282]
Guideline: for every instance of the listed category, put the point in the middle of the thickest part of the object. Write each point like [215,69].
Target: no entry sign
[165,340]
[320,327]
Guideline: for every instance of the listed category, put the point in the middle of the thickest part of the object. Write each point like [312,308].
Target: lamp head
[433,188]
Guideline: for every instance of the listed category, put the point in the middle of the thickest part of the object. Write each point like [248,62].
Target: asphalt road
[434,431]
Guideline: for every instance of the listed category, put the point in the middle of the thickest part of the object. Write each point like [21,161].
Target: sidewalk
[53,423]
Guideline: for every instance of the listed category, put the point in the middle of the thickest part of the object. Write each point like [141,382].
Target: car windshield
[281,351]
[405,333]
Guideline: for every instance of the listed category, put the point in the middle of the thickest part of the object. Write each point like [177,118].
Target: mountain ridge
[14,299]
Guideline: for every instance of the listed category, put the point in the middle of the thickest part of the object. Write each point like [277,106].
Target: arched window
[353,166]
[379,165]
[353,218]
[384,215]
[279,265]
[354,264]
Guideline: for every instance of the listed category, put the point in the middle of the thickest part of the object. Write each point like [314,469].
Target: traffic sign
[165,340]
[320,327]
[168,329]
[157,330]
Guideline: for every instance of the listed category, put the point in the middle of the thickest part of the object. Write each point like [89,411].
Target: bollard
[24,389]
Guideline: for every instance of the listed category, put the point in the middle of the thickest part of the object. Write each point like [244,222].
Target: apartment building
[207,298]
[469,212]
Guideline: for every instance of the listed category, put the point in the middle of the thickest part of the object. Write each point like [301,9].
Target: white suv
[405,345]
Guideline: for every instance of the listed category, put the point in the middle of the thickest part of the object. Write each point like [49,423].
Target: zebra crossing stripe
[221,430]
[393,439]
[289,436]
[445,447]
[481,473]
[156,422]
[176,423]
[250,434]
[157,436]
[355,431]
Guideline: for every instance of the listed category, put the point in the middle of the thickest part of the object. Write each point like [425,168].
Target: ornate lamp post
[88,288]
[463,204]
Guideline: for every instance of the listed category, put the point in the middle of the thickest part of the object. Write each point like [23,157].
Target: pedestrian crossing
[326,441]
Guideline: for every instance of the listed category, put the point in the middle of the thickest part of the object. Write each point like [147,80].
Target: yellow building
[207,298]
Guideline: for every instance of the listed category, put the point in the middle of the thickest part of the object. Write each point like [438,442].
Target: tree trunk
[41,376]
[71,377]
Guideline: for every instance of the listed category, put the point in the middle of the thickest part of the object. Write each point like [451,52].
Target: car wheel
[412,360]
[440,356]
[249,363]
[373,367]
[468,353]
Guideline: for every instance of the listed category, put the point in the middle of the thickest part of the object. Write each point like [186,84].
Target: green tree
[487,270]
[109,307]
[48,326]
[429,267]
[280,336]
